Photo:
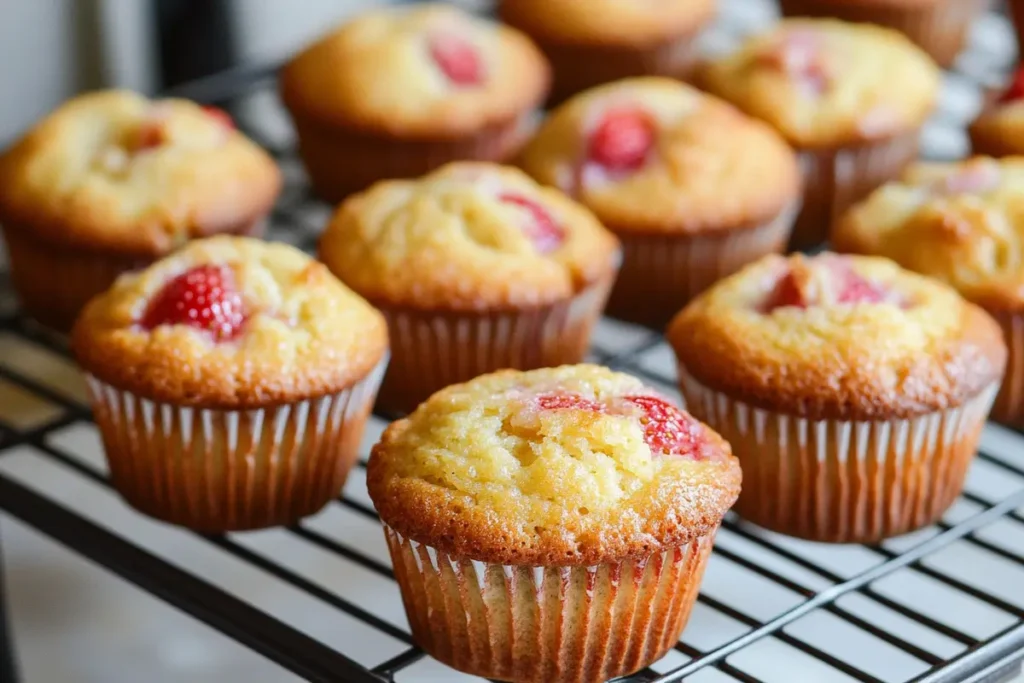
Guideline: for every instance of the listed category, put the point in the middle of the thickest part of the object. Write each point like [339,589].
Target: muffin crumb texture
[572,465]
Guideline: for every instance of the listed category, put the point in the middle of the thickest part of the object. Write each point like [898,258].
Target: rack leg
[8,658]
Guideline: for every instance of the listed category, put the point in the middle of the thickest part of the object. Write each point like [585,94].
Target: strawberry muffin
[110,182]
[999,130]
[550,525]
[400,91]
[940,27]
[595,42]
[693,188]
[962,223]
[851,98]
[853,392]
[230,382]
[477,268]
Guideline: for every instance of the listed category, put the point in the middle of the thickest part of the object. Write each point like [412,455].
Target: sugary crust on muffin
[448,242]
[479,471]
[999,131]
[880,84]
[307,334]
[973,240]
[606,22]
[376,74]
[924,350]
[713,167]
[74,179]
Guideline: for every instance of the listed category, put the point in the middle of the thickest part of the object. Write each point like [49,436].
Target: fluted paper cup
[339,162]
[844,481]
[662,273]
[940,28]
[551,624]
[431,350]
[834,179]
[1009,406]
[224,470]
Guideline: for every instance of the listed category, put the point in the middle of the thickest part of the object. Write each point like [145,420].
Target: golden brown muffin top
[576,465]
[469,236]
[606,22]
[271,325]
[960,222]
[827,83]
[838,337]
[429,71]
[114,170]
[652,155]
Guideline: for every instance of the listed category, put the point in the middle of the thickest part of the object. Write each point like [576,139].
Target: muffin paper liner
[940,28]
[340,162]
[834,179]
[223,470]
[662,273]
[579,67]
[844,481]
[54,283]
[551,624]
[431,350]
[1009,406]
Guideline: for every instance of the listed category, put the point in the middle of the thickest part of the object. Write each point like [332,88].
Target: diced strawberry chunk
[787,292]
[149,135]
[220,116]
[979,175]
[458,59]
[799,54]
[541,228]
[622,140]
[205,298]
[825,280]
[563,401]
[668,430]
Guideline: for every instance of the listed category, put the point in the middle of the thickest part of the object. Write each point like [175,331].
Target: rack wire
[941,605]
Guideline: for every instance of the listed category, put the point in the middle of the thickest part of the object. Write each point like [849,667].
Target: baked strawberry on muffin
[230,382]
[940,27]
[550,525]
[962,223]
[477,268]
[999,129]
[693,188]
[111,181]
[595,42]
[853,392]
[851,98]
[397,92]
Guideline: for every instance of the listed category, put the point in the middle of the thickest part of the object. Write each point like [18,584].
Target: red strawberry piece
[205,298]
[976,176]
[787,292]
[858,290]
[622,140]
[798,54]
[541,229]
[458,59]
[560,401]
[149,135]
[1015,90]
[220,116]
[667,429]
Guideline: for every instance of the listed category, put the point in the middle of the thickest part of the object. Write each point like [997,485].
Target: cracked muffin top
[560,466]
[114,170]
[469,236]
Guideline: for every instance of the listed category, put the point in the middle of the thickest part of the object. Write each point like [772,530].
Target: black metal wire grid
[945,604]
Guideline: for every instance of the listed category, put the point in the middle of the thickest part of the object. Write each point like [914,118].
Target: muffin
[112,181]
[551,525]
[398,92]
[590,43]
[999,129]
[476,268]
[853,392]
[230,382]
[939,27]
[693,188]
[851,98]
[962,223]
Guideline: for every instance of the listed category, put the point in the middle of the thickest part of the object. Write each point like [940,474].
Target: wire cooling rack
[943,604]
